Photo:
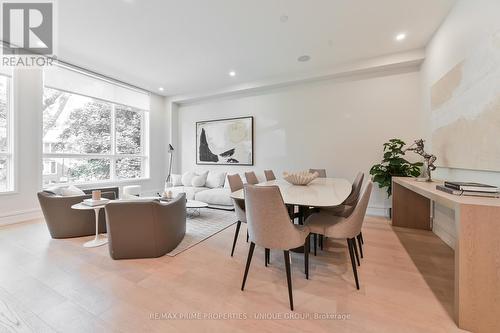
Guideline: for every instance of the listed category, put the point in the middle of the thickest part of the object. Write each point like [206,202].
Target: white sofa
[214,190]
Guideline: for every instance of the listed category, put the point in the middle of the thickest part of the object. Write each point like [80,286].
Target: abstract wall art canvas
[465,106]
[225,141]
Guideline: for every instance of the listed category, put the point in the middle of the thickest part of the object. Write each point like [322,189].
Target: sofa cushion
[187,178]
[189,190]
[215,179]
[200,179]
[215,196]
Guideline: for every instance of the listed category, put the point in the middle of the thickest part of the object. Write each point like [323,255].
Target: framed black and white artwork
[225,141]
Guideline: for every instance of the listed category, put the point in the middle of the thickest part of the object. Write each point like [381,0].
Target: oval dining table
[321,192]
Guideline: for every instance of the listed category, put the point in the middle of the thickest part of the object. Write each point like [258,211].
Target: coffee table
[193,208]
[99,239]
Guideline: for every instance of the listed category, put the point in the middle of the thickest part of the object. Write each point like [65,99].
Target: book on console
[473,187]
[468,193]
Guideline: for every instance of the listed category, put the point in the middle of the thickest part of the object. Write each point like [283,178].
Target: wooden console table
[477,251]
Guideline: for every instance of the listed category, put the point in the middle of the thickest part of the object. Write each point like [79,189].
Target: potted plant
[393,164]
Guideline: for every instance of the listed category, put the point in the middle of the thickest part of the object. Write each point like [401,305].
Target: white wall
[337,125]
[27,116]
[28,91]
[466,26]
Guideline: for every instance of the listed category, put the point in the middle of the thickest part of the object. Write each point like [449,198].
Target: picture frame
[227,141]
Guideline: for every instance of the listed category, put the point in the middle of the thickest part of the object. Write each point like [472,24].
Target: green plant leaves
[393,164]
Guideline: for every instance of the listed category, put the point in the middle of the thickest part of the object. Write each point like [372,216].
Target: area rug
[203,226]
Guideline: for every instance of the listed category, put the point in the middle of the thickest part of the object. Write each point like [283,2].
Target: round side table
[99,239]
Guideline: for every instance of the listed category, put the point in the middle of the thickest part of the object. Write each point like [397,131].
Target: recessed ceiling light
[400,37]
[304,58]
[284,18]
[161,89]
[232,73]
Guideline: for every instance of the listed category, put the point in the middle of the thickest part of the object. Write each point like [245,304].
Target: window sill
[101,183]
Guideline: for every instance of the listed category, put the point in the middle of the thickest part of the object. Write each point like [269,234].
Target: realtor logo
[27,28]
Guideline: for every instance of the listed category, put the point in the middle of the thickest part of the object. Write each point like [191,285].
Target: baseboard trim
[20,216]
[378,211]
[26,215]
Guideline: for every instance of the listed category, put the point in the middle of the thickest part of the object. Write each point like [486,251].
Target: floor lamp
[168,182]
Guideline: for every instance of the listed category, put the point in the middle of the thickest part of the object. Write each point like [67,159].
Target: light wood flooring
[57,285]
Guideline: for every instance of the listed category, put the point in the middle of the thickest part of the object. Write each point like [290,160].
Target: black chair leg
[307,246]
[288,277]
[238,225]
[321,242]
[267,257]
[353,261]
[249,260]
[247,236]
[355,248]
[360,246]
[315,243]
[361,237]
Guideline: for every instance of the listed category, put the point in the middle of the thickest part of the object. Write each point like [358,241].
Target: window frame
[114,155]
[9,154]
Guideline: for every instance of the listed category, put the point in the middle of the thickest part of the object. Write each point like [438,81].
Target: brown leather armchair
[145,228]
[64,222]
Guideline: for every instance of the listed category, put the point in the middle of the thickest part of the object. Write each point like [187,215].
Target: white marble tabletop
[321,192]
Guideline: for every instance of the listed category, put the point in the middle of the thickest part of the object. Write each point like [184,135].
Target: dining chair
[270,226]
[339,227]
[321,172]
[251,178]
[269,175]
[235,184]
[347,207]
[350,203]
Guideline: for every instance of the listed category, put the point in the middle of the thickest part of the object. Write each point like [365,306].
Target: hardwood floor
[49,285]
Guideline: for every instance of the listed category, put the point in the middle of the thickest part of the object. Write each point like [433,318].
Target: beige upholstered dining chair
[236,184]
[321,172]
[269,175]
[339,227]
[269,226]
[251,178]
[346,209]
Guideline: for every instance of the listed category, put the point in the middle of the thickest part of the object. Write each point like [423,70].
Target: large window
[90,139]
[6,137]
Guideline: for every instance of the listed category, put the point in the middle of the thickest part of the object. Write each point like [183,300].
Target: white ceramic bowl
[300,178]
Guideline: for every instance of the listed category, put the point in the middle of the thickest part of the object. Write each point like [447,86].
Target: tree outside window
[90,139]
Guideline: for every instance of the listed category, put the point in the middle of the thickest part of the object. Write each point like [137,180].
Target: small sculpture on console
[429,159]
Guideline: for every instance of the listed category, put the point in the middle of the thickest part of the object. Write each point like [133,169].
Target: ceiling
[189,46]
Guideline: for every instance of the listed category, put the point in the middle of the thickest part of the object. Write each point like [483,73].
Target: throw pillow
[56,190]
[215,179]
[71,191]
[187,178]
[200,180]
[176,180]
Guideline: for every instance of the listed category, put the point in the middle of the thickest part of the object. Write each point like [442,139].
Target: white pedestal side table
[99,239]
